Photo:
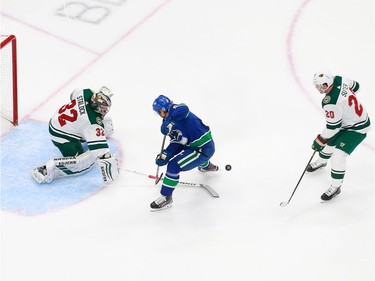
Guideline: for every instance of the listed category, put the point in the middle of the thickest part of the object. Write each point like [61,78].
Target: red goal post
[8,79]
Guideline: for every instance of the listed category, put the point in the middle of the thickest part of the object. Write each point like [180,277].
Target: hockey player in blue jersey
[191,146]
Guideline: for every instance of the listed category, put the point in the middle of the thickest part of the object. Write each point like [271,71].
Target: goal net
[8,78]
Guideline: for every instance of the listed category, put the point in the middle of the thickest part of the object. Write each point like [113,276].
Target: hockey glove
[166,126]
[177,136]
[109,167]
[108,126]
[319,143]
[163,158]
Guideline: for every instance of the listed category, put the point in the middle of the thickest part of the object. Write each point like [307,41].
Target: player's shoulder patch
[331,97]
[326,99]
[99,120]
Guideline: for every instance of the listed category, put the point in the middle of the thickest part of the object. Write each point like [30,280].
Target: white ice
[244,67]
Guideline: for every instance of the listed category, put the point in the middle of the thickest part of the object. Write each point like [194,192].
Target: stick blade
[283,204]
[157,179]
[210,190]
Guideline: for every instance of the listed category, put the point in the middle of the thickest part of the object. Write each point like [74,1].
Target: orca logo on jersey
[326,99]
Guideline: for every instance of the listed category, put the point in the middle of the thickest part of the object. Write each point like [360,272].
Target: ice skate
[330,193]
[40,175]
[312,167]
[163,202]
[210,168]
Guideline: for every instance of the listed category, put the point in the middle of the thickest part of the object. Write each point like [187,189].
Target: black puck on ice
[228,167]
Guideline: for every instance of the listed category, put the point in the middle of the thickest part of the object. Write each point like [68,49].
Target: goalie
[81,120]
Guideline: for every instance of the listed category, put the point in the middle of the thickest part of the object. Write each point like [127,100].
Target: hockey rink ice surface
[244,67]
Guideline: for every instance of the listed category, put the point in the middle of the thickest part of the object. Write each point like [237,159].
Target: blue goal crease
[26,147]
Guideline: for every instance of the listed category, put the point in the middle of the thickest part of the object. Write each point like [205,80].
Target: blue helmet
[161,103]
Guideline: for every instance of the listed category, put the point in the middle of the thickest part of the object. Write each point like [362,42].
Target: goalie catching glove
[108,126]
[109,168]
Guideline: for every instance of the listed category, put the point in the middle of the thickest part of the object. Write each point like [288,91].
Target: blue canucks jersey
[194,133]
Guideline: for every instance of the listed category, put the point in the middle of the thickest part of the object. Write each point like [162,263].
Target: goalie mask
[101,102]
[322,81]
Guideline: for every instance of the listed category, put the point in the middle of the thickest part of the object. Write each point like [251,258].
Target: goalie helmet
[161,103]
[323,78]
[101,101]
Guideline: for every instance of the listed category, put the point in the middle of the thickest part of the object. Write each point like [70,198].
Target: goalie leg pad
[109,168]
[75,165]
[64,166]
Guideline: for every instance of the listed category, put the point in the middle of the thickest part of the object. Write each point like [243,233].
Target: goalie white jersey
[81,120]
[343,109]
[77,121]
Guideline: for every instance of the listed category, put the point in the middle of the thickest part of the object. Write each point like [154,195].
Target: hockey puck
[228,167]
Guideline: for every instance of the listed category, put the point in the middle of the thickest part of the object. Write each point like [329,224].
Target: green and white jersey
[77,121]
[343,110]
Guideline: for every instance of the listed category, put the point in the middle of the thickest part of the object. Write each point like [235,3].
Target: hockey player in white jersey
[347,123]
[81,120]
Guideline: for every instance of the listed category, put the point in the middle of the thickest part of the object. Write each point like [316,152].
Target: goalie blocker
[109,167]
[77,165]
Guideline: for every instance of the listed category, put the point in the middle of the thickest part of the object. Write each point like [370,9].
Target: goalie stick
[205,186]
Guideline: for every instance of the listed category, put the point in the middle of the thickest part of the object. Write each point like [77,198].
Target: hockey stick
[283,204]
[157,178]
[205,186]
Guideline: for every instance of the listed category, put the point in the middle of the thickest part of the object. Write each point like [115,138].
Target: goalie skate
[163,202]
[39,174]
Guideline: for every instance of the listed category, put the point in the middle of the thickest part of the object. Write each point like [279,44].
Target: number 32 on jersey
[68,113]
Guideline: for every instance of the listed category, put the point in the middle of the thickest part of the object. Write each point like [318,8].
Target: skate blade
[283,204]
[38,177]
[326,201]
[163,208]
